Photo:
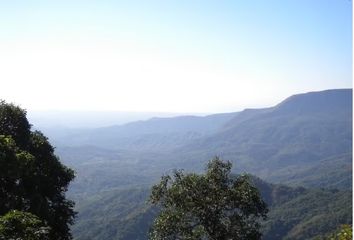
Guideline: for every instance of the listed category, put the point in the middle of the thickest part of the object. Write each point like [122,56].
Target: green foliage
[345,232]
[17,225]
[208,206]
[294,213]
[32,177]
[13,122]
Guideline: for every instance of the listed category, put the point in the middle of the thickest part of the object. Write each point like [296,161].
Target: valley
[304,143]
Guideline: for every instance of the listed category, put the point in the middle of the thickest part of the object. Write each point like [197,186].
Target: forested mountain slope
[304,141]
[280,142]
[157,134]
[295,213]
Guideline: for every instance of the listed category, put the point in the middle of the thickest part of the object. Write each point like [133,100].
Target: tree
[345,232]
[22,226]
[32,177]
[213,205]
[14,123]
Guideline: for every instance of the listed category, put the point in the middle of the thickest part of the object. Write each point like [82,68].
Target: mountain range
[306,133]
[304,142]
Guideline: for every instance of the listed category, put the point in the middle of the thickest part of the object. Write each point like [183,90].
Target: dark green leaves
[32,179]
[208,206]
[13,122]
[22,226]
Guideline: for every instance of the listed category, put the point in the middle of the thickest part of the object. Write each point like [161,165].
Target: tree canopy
[32,177]
[22,226]
[345,232]
[214,205]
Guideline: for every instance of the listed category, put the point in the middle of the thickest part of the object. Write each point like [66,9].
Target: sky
[171,56]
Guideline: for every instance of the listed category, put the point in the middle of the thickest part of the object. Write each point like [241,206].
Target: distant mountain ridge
[304,141]
[279,143]
[323,101]
[155,133]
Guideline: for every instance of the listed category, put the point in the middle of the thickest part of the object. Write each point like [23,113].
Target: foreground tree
[32,179]
[345,232]
[213,205]
[22,226]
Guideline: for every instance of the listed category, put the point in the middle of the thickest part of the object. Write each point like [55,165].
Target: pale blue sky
[174,56]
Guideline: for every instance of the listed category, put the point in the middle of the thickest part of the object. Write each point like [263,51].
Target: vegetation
[310,214]
[304,142]
[294,213]
[116,214]
[208,206]
[32,178]
[345,232]
[19,225]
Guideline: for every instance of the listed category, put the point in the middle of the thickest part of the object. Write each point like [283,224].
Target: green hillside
[286,140]
[295,213]
[305,141]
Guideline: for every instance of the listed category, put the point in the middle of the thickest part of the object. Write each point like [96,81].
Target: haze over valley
[176,120]
[304,142]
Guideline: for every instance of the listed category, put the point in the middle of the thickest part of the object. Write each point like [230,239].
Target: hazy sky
[175,56]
